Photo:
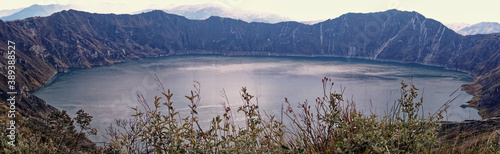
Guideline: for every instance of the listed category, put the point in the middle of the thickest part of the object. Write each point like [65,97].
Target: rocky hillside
[47,45]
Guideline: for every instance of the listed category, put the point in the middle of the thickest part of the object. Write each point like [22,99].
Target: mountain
[311,22]
[481,28]
[48,45]
[457,26]
[35,11]
[201,11]
[204,11]
[4,13]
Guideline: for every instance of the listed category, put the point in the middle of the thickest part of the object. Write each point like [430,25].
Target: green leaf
[285,148]
[301,150]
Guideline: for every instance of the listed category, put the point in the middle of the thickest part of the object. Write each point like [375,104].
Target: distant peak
[38,5]
[387,12]
[200,6]
[391,11]
[401,11]
[491,23]
[215,18]
[72,11]
[35,10]
[157,11]
[204,11]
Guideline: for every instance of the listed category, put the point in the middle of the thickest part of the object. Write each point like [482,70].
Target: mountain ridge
[197,12]
[203,11]
[481,28]
[35,10]
[474,29]
[81,39]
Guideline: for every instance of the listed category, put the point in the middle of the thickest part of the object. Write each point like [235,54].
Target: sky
[445,11]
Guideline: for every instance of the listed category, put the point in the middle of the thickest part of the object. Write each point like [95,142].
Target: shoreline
[288,56]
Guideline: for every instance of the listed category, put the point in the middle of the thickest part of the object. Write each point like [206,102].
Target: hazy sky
[446,11]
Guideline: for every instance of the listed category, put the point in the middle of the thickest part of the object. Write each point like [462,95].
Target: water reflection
[108,93]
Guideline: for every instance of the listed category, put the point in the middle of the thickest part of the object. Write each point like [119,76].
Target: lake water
[108,93]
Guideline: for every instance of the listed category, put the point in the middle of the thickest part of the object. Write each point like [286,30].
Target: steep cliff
[79,39]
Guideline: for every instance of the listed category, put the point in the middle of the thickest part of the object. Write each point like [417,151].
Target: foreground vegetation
[330,124]
[56,133]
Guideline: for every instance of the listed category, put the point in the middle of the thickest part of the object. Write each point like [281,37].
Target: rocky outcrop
[469,134]
[486,89]
[79,39]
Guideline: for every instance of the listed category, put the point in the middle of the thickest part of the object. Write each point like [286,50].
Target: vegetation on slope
[55,133]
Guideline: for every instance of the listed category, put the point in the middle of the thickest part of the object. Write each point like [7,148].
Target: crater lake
[109,93]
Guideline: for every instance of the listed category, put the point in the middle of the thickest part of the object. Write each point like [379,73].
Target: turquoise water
[108,93]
